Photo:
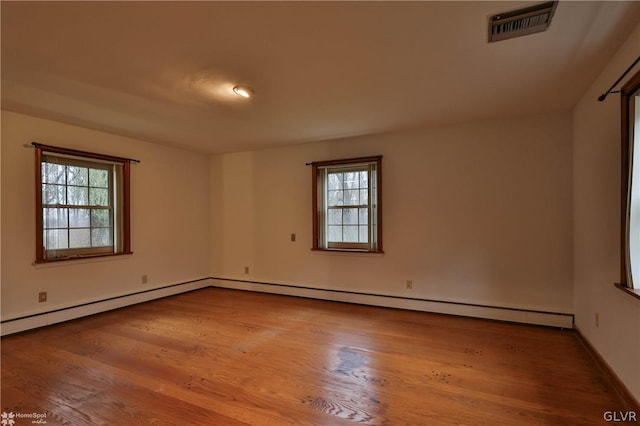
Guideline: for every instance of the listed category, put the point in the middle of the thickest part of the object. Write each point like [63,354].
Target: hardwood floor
[225,357]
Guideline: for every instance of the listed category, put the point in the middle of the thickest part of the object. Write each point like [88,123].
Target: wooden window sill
[633,292]
[330,250]
[41,262]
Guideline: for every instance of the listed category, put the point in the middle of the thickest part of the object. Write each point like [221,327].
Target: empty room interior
[322,213]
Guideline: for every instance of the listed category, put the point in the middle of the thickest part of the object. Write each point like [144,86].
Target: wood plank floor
[225,357]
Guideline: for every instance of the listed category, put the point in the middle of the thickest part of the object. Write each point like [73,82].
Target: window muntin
[347,205]
[82,204]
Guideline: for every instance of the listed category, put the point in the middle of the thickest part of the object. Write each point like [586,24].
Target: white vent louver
[517,23]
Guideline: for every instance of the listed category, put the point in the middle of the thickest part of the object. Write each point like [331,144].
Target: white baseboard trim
[525,316]
[28,322]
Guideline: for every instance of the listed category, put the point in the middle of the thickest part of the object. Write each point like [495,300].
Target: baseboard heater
[41,319]
[500,313]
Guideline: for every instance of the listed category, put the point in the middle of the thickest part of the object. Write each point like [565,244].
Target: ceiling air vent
[517,23]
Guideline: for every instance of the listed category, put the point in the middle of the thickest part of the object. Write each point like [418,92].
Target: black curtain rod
[80,153]
[604,95]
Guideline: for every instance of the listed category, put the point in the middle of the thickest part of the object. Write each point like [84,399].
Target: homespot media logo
[9,419]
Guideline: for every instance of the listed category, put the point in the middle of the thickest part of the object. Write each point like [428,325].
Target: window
[82,204]
[630,273]
[347,208]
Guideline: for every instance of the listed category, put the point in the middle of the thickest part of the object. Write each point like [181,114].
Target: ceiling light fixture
[243,91]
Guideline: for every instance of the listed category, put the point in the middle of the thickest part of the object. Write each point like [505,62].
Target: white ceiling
[163,71]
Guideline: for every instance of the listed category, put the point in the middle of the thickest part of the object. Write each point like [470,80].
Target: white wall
[596,157]
[477,213]
[169,220]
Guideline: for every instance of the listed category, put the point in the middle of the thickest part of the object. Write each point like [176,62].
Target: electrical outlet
[597,319]
[42,296]
[293,237]
[409,284]
[145,279]
[246,270]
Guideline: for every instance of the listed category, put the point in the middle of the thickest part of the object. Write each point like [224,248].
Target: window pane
[101,237]
[53,173]
[364,179]
[99,178]
[79,238]
[78,195]
[351,180]
[335,198]
[350,216]
[78,218]
[350,234]
[335,217]
[100,218]
[53,194]
[364,196]
[335,234]
[77,176]
[335,181]
[55,239]
[364,216]
[98,197]
[54,218]
[364,234]
[351,197]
